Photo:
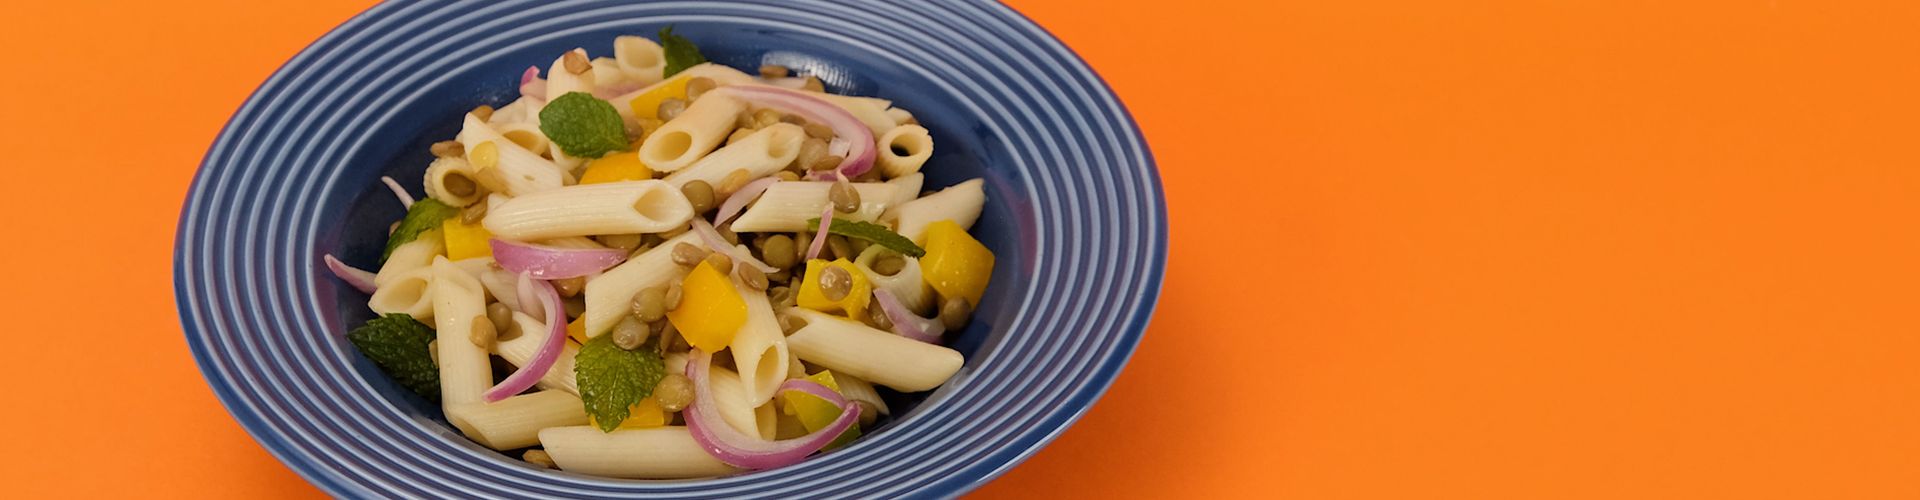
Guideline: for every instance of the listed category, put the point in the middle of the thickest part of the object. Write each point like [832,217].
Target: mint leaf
[612,379]
[398,344]
[583,125]
[873,233]
[681,54]
[424,215]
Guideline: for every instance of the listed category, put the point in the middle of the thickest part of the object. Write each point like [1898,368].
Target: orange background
[1518,249]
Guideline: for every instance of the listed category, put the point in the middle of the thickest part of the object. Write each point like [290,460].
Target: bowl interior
[965,148]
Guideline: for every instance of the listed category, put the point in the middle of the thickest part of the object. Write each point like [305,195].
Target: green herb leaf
[873,233]
[613,379]
[681,54]
[425,215]
[398,344]
[583,125]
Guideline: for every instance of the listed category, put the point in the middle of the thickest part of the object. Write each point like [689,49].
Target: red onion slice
[905,322]
[543,359]
[820,237]
[860,141]
[398,192]
[741,198]
[360,280]
[750,452]
[531,84]
[714,242]
[552,263]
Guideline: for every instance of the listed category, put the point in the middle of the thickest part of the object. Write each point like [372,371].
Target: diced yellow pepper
[711,310]
[577,330]
[466,241]
[616,167]
[642,415]
[815,413]
[647,105]
[956,265]
[854,304]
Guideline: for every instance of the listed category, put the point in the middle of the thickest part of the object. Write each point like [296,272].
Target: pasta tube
[450,180]
[610,296]
[628,207]
[759,348]
[458,303]
[409,293]
[521,349]
[730,399]
[786,206]
[561,81]
[858,389]
[907,284]
[416,254]
[906,188]
[903,150]
[516,422]
[960,204]
[873,355]
[761,154]
[656,453]
[640,58]
[522,171]
[686,138]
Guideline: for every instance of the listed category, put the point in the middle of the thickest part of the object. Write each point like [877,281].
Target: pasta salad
[652,266]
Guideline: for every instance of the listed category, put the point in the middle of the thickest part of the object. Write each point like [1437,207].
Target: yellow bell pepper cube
[642,415]
[466,241]
[815,413]
[711,310]
[647,104]
[616,167]
[577,329]
[854,304]
[956,265]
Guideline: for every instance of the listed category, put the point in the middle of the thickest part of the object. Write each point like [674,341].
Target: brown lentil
[482,333]
[670,108]
[672,297]
[569,287]
[448,149]
[734,180]
[877,317]
[765,117]
[826,162]
[857,246]
[687,254]
[835,283]
[753,278]
[845,199]
[720,262]
[676,231]
[780,276]
[699,86]
[794,119]
[538,457]
[813,85]
[500,316]
[743,120]
[818,131]
[771,71]
[483,112]
[787,176]
[839,245]
[810,152]
[868,413]
[674,392]
[700,194]
[649,304]
[626,242]
[778,251]
[474,213]
[630,333]
[576,62]
[954,312]
[889,264]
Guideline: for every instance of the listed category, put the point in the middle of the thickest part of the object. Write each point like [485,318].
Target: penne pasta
[657,453]
[409,256]
[458,303]
[639,58]
[906,285]
[628,207]
[903,150]
[561,81]
[960,204]
[690,136]
[858,389]
[610,296]
[719,74]
[730,399]
[906,188]
[516,422]
[520,350]
[759,348]
[409,293]
[522,171]
[504,286]
[761,154]
[880,357]
[786,206]
[451,181]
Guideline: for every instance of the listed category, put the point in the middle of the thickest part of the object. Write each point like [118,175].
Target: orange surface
[1520,249]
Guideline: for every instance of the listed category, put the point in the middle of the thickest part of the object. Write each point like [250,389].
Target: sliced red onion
[860,142]
[553,263]
[398,192]
[741,198]
[751,452]
[820,237]
[543,359]
[714,242]
[791,82]
[905,322]
[531,84]
[361,280]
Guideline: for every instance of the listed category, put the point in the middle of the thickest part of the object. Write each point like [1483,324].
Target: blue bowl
[1074,213]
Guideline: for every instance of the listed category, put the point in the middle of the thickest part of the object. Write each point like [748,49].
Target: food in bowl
[685,270]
